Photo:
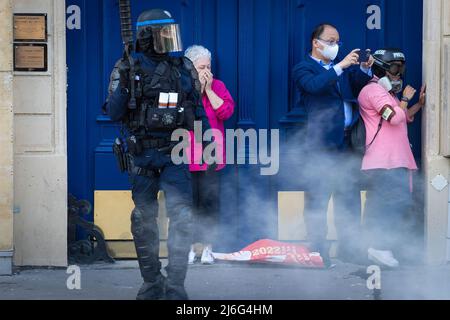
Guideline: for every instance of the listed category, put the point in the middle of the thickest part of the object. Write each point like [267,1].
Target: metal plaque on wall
[30,27]
[30,57]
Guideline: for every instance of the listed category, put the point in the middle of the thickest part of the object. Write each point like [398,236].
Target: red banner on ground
[271,251]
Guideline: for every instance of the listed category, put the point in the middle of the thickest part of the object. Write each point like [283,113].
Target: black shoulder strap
[159,72]
[380,124]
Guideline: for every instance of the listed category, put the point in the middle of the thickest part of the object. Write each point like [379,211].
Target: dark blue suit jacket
[323,100]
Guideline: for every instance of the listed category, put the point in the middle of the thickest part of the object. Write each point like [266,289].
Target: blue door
[255,44]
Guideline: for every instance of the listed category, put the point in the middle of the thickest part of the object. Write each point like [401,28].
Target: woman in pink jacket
[219,106]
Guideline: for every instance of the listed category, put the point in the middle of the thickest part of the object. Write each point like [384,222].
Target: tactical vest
[154,113]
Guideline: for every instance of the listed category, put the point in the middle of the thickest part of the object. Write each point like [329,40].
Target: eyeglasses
[331,43]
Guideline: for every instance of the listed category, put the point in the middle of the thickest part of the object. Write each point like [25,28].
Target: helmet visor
[167,38]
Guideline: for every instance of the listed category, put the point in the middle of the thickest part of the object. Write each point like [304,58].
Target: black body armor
[149,116]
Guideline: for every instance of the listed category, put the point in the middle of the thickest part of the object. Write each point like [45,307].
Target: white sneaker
[207,257]
[191,256]
[384,257]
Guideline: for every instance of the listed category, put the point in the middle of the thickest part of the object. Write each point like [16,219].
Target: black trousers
[386,222]
[206,192]
[333,173]
[175,180]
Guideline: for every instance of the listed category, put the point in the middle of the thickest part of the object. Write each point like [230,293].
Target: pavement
[233,281]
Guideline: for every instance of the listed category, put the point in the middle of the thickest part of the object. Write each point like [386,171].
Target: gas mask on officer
[144,44]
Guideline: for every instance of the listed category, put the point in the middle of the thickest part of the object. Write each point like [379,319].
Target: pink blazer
[216,119]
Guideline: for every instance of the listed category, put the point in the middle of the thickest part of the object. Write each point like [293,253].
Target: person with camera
[328,88]
[388,161]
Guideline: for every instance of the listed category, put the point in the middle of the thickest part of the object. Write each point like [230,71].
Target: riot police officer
[167,94]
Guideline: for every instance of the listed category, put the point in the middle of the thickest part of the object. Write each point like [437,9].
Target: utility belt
[155,143]
[136,147]
[152,173]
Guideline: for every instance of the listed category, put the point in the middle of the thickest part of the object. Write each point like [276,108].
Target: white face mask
[329,52]
[385,83]
[394,86]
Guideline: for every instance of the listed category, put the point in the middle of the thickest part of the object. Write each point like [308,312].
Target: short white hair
[197,52]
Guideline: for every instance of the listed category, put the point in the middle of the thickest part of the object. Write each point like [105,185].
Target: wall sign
[30,27]
[30,42]
[30,57]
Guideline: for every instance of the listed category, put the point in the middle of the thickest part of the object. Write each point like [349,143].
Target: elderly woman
[219,106]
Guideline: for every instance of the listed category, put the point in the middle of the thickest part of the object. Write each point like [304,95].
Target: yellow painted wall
[112,215]
[291,223]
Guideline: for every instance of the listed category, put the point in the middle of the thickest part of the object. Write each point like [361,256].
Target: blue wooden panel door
[255,44]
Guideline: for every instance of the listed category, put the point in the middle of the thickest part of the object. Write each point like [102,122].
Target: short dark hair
[318,30]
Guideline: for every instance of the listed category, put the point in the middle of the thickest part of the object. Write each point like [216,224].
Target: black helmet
[383,62]
[157,32]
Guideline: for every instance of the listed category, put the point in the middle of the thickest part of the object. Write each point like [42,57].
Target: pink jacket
[216,119]
[391,148]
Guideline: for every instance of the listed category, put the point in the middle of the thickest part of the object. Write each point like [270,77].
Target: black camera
[364,56]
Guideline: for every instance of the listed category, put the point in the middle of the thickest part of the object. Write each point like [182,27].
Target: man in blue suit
[328,95]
